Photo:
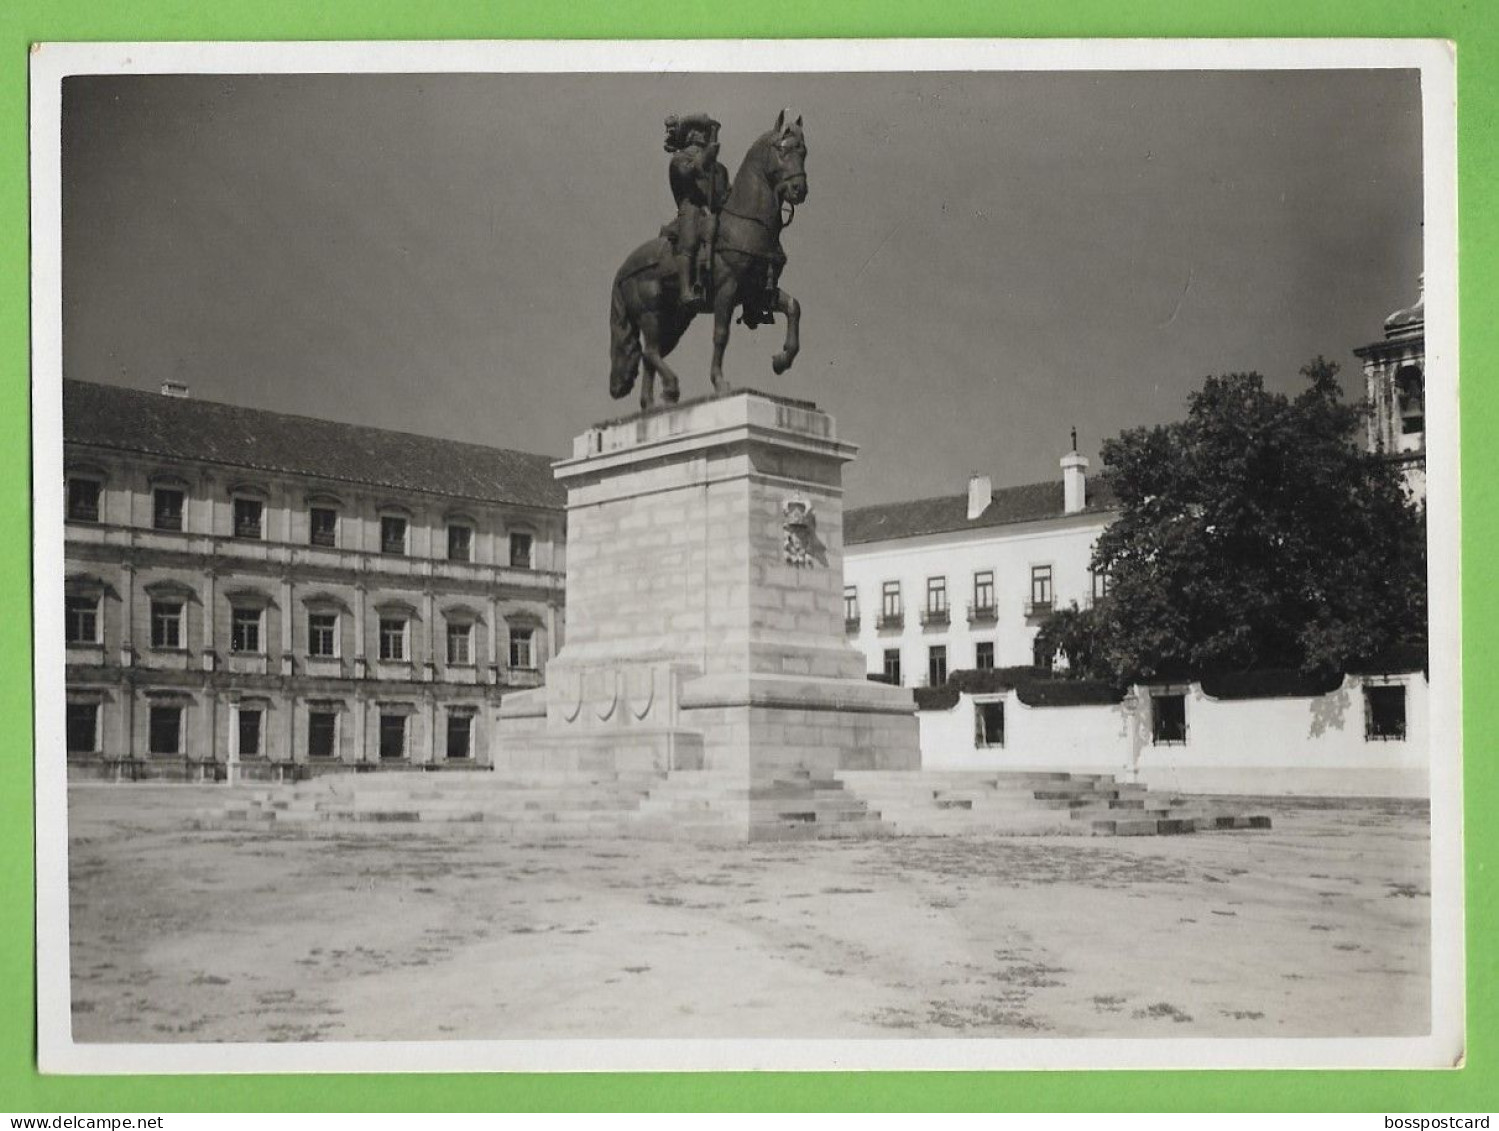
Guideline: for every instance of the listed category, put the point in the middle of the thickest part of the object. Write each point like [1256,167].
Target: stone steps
[1029,803]
[719,805]
[791,805]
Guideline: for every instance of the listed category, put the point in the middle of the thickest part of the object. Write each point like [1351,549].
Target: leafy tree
[1072,632]
[1253,534]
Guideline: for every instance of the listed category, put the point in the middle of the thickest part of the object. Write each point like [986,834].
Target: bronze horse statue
[647,313]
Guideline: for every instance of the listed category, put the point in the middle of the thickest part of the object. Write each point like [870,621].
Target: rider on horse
[700,185]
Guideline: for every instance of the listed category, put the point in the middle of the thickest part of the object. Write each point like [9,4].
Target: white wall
[1313,745]
[1285,746]
[1066,544]
[1092,739]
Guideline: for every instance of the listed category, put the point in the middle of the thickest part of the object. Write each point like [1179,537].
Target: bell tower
[1395,381]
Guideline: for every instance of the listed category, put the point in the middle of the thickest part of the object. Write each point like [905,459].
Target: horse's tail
[624,345]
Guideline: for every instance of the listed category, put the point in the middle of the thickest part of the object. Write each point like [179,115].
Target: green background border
[1473,24]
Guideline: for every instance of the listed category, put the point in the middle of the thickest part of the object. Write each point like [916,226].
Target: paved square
[1318,927]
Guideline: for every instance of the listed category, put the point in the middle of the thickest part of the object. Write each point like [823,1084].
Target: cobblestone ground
[1318,927]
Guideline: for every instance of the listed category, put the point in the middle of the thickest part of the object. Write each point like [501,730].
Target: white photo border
[1436,61]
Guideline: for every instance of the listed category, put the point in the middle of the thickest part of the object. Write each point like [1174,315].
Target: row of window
[936,662]
[165,732]
[323,521]
[981,608]
[1384,720]
[246,633]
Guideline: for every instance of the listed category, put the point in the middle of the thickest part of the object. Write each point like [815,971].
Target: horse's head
[786,147]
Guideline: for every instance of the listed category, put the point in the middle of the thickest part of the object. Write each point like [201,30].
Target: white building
[964,581]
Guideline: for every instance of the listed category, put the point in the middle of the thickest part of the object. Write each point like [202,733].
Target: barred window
[1384,713]
[1168,719]
[989,724]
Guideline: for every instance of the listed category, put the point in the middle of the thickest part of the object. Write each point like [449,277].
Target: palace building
[293,595]
[964,581]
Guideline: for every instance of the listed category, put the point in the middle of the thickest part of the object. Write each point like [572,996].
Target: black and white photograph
[746,555]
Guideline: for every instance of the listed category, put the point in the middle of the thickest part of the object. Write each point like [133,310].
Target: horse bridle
[788,207]
[787,210]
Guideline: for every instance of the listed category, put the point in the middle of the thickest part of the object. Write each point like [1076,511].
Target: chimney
[980,495]
[1074,480]
[174,389]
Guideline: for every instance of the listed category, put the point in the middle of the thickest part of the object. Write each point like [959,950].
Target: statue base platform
[705,606]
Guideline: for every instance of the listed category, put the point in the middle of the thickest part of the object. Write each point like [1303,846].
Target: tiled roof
[131,420]
[1029,503]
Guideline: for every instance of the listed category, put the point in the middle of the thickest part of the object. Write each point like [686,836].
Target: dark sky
[985,259]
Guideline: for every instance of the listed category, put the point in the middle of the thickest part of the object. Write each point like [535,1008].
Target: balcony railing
[1039,608]
[891,620]
[935,616]
[983,614]
[850,624]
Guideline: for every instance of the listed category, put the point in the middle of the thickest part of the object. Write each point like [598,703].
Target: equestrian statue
[722,252]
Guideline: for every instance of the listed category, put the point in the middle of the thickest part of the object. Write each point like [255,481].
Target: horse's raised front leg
[793,312]
[650,356]
[724,299]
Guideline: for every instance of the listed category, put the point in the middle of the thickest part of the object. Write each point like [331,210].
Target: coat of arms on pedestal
[797,520]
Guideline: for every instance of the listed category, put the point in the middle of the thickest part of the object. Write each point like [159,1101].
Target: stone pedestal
[705,606]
